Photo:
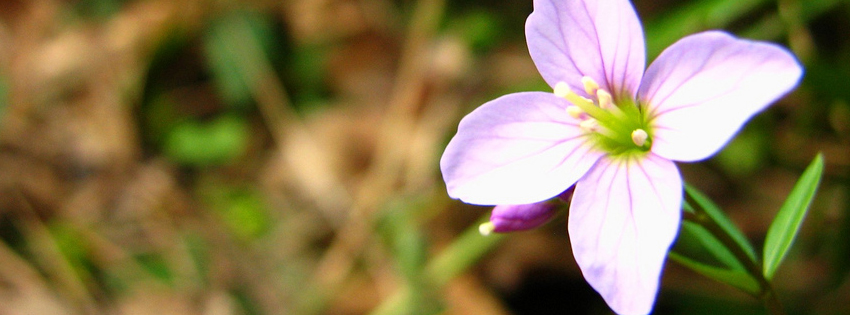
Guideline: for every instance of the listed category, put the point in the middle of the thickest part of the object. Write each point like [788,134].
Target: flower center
[616,128]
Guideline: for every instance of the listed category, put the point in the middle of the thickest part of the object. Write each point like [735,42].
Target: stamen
[590,86]
[578,100]
[588,107]
[589,125]
[486,228]
[605,99]
[562,89]
[575,111]
[639,137]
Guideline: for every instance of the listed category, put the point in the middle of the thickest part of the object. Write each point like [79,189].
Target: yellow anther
[639,137]
[486,228]
[605,99]
[589,125]
[574,111]
[590,86]
[562,89]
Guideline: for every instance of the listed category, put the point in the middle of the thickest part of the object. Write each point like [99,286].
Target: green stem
[455,259]
[771,302]
[464,252]
[767,294]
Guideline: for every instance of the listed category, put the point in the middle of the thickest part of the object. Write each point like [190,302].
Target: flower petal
[602,39]
[518,149]
[703,88]
[623,218]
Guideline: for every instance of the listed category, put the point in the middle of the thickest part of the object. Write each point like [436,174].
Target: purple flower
[613,131]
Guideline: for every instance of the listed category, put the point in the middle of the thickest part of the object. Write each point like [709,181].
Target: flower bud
[511,218]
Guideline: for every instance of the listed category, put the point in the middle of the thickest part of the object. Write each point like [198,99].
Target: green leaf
[695,242]
[73,246]
[787,223]
[718,216]
[736,278]
[156,266]
[215,142]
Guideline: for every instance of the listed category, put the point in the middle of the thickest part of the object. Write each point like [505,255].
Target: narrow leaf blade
[787,223]
[718,216]
[736,278]
[709,245]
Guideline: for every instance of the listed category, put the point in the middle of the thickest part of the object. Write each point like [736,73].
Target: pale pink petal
[703,88]
[518,149]
[623,218]
[602,39]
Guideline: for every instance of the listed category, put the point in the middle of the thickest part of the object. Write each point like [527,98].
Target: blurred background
[281,157]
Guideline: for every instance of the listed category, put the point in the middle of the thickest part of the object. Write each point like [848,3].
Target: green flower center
[619,129]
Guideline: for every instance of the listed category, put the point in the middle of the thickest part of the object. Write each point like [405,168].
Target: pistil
[639,137]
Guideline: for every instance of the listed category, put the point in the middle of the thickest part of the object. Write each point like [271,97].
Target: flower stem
[767,294]
[771,302]
[455,259]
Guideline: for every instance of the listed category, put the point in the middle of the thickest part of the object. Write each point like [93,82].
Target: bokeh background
[281,157]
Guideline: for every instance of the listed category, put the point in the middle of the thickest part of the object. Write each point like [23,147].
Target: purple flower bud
[511,218]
